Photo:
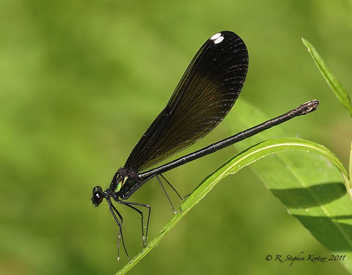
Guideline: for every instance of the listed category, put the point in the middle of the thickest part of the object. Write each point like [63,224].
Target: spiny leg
[113,210]
[173,188]
[142,221]
[131,205]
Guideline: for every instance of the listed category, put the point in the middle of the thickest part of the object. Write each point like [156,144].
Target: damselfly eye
[97,196]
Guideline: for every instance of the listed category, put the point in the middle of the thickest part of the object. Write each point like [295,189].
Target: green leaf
[334,84]
[307,202]
[297,179]
[316,198]
[350,165]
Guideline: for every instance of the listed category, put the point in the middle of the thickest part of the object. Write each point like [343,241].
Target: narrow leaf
[334,84]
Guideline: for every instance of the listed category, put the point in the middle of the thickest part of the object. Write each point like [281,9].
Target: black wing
[205,94]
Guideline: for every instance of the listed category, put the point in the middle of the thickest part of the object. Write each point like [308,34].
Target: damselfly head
[98,196]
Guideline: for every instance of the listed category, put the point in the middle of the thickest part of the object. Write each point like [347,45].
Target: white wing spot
[217,38]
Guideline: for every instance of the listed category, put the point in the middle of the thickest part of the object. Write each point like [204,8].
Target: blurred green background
[81,81]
